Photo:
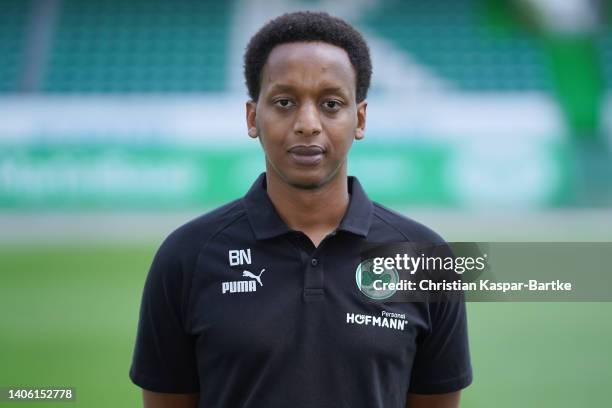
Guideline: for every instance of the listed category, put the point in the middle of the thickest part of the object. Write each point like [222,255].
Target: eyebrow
[290,88]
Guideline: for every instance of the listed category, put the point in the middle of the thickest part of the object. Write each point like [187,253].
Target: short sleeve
[164,357]
[442,361]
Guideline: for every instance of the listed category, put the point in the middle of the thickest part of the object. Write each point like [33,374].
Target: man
[254,304]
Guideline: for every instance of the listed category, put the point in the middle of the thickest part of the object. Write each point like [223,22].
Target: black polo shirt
[250,313]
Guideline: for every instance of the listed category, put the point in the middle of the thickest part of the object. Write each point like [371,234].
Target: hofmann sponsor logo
[396,321]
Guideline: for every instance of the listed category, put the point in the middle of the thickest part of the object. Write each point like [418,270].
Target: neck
[315,212]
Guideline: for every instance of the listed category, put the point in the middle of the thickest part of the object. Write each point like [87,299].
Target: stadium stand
[95,48]
[13,28]
[451,38]
[106,46]
[114,46]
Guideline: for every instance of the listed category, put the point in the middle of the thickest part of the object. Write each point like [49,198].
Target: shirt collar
[266,222]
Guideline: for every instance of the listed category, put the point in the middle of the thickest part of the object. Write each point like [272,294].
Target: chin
[302,181]
[305,185]
[306,181]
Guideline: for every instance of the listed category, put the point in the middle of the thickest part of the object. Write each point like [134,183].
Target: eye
[332,105]
[283,103]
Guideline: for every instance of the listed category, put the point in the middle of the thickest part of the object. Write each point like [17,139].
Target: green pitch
[68,317]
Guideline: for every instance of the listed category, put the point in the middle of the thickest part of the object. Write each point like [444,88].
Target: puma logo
[249,274]
[243,285]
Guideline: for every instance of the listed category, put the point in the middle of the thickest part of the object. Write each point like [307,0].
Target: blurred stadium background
[121,119]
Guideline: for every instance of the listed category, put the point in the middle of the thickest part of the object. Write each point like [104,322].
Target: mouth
[306,155]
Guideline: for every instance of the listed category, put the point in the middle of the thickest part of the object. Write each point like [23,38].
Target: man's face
[306,117]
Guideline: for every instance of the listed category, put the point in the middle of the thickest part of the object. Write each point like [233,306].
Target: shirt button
[314,261]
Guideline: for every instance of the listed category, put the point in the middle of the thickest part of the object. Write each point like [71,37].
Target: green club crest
[372,284]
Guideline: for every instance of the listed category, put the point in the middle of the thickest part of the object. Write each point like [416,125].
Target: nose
[307,122]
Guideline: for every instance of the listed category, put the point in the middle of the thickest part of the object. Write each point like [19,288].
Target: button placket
[314,272]
[313,269]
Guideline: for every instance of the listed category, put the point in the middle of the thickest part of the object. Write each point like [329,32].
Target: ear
[361,120]
[251,109]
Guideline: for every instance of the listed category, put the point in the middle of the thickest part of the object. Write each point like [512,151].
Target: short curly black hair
[307,26]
